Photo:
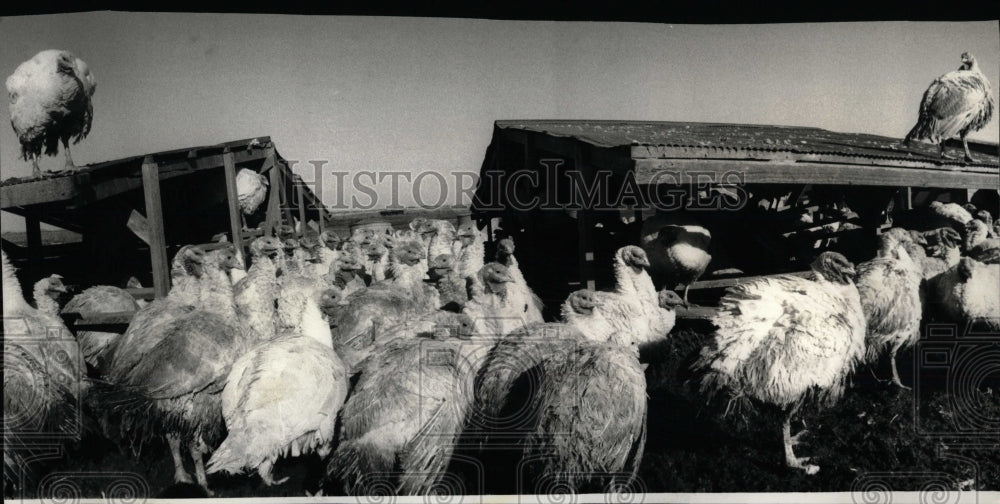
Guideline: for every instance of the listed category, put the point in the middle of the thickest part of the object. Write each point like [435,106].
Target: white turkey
[282,398]
[783,339]
[251,189]
[99,299]
[255,294]
[968,293]
[50,103]
[889,286]
[957,103]
[471,252]
[46,293]
[494,310]
[678,254]
[519,293]
[43,372]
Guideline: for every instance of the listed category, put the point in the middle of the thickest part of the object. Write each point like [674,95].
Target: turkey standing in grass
[889,286]
[282,398]
[783,339]
[46,293]
[404,414]
[99,299]
[957,103]
[174,388]
[50,102]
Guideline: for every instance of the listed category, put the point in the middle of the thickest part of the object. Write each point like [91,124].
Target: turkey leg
[69,158]
[197,453]
[968,155]
[264,470]
[180,475]
[895,372]
[36,172]
[943,155]
[791,441]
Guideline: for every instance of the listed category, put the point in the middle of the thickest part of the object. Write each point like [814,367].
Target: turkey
[957,103]
[251,189]
[589,419]
[783,339]
[282,398]
[377,255]
[978,243]
[50,102]
[438,235]
[581,310]
[889,286]
[678,254]
[968,294]
[519,293]
[99,299]
[366,312]
[43,373]
[493,310]
[255,294]
[470,252]
[404,414]
[451,285]
[46,294]
[174,388]
[329,253]
[344,274]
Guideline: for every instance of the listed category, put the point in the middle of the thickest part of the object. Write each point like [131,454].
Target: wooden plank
[650,171]
[39,191]
[300,201]
[34,230]
[235,220]
[154,215]
[584,223]
[273,197]
[93,321]
[696,312]
[142,292]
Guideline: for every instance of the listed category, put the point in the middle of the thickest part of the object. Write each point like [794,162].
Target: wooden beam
[650,171]
[34,231]
[235,220]
[300,201]
[273,197]
[584,223]
[154,215]
[729,282]
[95,321]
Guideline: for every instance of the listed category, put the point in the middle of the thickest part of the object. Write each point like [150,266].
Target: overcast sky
[421,94]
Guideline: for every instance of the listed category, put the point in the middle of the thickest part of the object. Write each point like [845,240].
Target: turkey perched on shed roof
[957,103]
[251,189]
[781,340]
[50,102]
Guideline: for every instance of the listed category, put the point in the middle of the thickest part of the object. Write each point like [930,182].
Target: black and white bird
[957,103]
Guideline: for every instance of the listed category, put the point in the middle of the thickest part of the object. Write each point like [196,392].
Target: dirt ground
[877,437]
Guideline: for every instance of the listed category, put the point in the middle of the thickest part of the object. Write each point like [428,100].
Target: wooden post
[300,200]
[154,215]
[235,220]
[583,223]
[273,201]
[34,229]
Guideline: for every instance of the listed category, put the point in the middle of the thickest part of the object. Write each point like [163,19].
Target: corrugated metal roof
[750,137]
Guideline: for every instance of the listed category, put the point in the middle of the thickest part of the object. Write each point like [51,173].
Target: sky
[421,94]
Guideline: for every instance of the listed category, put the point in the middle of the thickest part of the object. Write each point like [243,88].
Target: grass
[870,439]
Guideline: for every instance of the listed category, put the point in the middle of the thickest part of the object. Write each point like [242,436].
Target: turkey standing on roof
[50,102]
[957,103]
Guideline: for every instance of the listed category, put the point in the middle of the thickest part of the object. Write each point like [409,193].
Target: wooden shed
[571,192]
[132,214]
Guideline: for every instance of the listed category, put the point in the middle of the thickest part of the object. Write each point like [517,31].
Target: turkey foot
[265,474]
[791,441]
[943,155]
[895,372]
[968,155]
[180,475]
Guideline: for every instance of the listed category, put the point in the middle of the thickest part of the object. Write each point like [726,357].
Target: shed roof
[748,137]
